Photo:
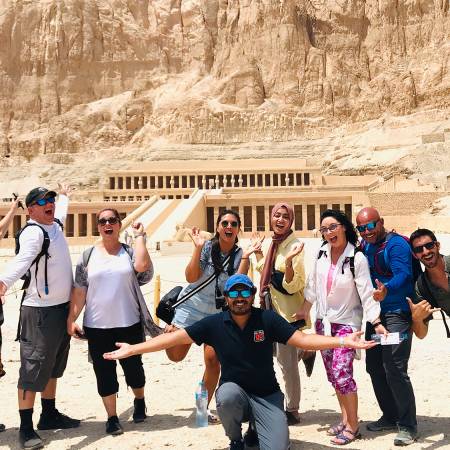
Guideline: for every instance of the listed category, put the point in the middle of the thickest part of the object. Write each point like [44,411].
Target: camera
[220,300]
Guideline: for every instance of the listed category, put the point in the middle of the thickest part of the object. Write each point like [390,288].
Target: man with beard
[243,337]
[433,286]
[44,342]
[391,269]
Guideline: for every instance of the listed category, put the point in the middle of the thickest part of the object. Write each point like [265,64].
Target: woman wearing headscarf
[283,277]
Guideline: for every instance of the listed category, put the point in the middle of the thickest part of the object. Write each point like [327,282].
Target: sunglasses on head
[330,229]
[244,293]
[428,246]
[111,220]
[368,226]
[44,201]
[232,223]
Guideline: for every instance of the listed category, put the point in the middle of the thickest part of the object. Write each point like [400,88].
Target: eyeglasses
[428,246]
[44,201]
[245,293]
[232,223]
[330,229]
[111,220]
[368,226]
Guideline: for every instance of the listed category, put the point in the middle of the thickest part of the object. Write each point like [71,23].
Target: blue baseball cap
[238,279]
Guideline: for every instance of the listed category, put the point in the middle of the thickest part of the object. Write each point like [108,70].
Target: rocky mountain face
[81,76]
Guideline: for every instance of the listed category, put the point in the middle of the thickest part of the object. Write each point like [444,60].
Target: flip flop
[343,439]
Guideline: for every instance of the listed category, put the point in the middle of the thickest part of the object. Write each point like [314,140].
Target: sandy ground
[170,395]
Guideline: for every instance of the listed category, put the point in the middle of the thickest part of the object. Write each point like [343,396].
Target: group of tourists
[376,276]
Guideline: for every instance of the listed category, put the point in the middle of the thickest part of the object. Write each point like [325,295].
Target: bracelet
[341,342]
[376,324]
[245,258]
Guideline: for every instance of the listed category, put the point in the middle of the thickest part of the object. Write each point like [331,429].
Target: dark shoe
[251,436]
[308,358]
[292,418]
[2,427]
[237,445]
[405,436]
[139,410]
[57,421]
[113,426]
[29,439]
[381,425]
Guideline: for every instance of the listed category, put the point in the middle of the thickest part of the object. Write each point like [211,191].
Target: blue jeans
[387,366]
[234,406]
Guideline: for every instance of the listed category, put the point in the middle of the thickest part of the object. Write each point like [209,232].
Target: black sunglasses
[232,223]
[111,220]
[428,246]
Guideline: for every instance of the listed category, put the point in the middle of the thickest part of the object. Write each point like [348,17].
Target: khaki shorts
[44,345]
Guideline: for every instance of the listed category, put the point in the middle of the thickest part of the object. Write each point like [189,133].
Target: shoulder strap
[128,249]
[201,285]
[322,252]
[87,256]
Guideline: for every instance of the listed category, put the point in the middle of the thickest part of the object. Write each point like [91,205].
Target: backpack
[27,276]
[350,260]
[88,253]
[381,266]
[425,292]
[44,252]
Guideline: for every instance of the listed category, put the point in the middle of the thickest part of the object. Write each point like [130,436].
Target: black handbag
[276,280]
[166,308]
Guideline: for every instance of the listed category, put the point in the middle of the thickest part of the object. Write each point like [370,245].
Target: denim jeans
[387,366]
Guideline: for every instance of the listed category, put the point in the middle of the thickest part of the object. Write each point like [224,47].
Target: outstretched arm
[161,342]
[316,342]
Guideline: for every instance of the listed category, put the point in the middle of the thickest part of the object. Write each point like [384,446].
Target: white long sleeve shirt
[59,265]
[349,296]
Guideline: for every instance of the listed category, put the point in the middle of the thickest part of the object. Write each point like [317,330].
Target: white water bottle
[201,405]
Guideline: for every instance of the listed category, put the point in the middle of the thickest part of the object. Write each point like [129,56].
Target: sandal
[342,439]
[334,430]
[213,419]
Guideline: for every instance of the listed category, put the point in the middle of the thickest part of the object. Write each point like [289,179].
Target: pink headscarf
[276,241]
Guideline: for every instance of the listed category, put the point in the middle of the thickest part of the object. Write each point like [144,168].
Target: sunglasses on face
[330,229]
[232,223]
[111,220]
[44,201]
[245,293]
[428,246]
[368,226]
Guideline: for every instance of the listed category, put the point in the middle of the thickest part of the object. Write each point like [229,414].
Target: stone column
[76,228]
[317,215]
[266,218]
[253,218]
[89,225]
[304,217]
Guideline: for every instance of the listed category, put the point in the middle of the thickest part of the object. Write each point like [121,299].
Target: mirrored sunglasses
[44,201]
[368,226]
[428,246]
[226,223]
[245,293]
[111,220]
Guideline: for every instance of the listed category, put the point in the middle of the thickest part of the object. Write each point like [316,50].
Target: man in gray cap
[42,255]
[243,337]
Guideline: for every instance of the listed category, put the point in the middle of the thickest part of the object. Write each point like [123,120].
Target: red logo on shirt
[258,335]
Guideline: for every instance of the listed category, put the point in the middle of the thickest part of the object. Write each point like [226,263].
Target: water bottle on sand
[201,404]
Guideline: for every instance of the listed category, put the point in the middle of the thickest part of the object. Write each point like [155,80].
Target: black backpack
[350,260]
[44,252]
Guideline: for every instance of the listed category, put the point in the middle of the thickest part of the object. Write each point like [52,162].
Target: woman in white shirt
[105,282]
[342,290]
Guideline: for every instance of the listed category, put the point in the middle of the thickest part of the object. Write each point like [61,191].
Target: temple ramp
[188,213]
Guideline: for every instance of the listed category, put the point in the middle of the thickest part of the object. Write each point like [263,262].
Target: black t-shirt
[245,355]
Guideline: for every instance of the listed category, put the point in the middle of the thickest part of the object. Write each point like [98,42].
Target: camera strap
[203,284]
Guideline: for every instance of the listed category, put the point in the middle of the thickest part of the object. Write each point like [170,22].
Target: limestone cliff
[80,76]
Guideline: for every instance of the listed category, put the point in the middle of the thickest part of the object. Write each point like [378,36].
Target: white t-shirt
[109,299]
[59,265]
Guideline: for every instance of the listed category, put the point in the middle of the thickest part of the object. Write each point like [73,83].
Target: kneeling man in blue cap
[242,337]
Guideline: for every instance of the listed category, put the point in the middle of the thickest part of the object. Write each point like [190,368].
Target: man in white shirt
[44,342]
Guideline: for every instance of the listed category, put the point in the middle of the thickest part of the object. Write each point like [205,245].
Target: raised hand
[380,292]
[296,250]
[254,246]
[198,240]
[123,352]
[65,189]
[353,341]
[138,229]
[420,311]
